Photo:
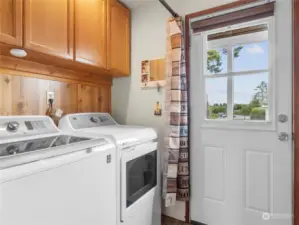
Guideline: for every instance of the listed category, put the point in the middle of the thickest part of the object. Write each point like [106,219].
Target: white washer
[49,177]
[137,169]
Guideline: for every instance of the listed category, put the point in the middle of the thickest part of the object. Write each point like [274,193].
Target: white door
[241,149]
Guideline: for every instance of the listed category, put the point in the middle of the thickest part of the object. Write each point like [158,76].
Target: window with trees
[237,72]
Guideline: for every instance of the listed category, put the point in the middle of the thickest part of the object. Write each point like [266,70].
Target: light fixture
[20,53]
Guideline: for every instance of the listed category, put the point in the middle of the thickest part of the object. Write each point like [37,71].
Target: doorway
[241,113]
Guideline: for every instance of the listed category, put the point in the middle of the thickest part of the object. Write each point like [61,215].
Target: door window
[237,73]
[141,176]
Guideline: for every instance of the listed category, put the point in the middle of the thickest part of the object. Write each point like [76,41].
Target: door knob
[283,136]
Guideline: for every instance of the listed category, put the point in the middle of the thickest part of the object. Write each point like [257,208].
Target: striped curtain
[176,157]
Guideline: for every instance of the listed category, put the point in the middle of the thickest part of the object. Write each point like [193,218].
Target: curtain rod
[172,12]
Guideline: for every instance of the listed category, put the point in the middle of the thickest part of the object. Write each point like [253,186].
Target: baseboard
[197,223]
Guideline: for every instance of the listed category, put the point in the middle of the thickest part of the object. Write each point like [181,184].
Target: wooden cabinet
[49,27]
[87,35]
[91,32]
[118,38]
[11,22]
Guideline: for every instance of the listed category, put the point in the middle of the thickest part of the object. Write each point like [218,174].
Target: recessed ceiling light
[20,53]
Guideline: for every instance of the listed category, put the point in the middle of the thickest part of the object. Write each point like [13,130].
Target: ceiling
[136,3]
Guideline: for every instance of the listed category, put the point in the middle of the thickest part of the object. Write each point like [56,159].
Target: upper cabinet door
[49,27]
[11,22]
[91,32]
[119,53]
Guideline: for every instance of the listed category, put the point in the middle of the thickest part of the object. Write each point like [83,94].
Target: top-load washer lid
[26,139]
[104,124]
[19,147]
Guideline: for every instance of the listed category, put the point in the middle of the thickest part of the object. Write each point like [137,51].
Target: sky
[252,57]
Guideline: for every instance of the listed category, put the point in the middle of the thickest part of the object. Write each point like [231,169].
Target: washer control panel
[22,125]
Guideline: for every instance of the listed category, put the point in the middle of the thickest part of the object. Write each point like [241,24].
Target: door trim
[296,109]
[232,5]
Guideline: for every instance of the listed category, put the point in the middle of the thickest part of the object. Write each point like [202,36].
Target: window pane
[216,98]
[216,61]
[251,97]
[141,176]
[250,57]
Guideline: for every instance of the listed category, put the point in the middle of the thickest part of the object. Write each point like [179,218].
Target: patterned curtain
[176,157]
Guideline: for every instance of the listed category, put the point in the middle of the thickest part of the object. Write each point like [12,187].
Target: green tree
[261,92]
[246,109]
[238,106]
[258,114]
[255,103]
[214,61]
[237,51]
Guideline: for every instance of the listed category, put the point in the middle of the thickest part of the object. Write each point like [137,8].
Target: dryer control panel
[88,120]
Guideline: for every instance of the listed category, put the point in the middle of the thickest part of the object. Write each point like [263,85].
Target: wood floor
[170,221]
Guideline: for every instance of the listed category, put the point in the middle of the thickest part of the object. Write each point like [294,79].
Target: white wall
[130,103]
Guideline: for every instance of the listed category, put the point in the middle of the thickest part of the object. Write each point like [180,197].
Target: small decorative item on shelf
[153,73]
[158,109]
[145,72]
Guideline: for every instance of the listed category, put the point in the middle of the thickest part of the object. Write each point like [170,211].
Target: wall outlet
[50,95]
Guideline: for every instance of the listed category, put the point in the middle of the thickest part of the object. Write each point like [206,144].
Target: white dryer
[137,168]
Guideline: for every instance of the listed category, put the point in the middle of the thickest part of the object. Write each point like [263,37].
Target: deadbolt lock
[282,118]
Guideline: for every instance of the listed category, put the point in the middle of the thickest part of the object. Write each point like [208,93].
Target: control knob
[12,150]
[94,119]
[12,126]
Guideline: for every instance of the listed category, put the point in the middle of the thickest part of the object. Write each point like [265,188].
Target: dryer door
[138,178]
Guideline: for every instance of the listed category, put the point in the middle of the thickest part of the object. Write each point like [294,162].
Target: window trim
[255,12]
[239,40]
[230,122]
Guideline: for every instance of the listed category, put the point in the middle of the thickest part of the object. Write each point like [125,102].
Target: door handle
[283,136]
